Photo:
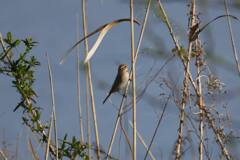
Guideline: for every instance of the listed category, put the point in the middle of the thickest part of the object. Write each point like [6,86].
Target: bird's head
[122,68]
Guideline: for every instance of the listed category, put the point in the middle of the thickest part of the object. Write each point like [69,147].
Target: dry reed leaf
[196,30]
[98,41]
[103,31]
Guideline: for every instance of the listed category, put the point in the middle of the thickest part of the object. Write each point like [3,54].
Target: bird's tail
[106,98]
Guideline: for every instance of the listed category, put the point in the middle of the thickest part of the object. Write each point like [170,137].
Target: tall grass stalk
[78,81]
[89,79]
[198,63]
[53,104]
[133,78]
[185,93]
[201,113]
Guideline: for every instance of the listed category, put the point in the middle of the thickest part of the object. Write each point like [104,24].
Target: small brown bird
[121,80]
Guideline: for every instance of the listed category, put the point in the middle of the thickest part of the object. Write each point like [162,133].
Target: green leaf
[17,42]
[9,36]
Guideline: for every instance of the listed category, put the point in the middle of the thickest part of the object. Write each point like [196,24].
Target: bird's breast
[124,81]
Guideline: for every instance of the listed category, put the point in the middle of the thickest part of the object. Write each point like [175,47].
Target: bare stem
[134,115]
[156,129]
[53,109]
[143,143]
[78,82]
[116,125]
[185,93]
[89,78]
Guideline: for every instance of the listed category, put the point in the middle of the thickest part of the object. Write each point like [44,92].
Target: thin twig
[32,150]
[196,133]
[143,143]
[217,133]
[125,135]
[177,46]
[116,125]
[156,129]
